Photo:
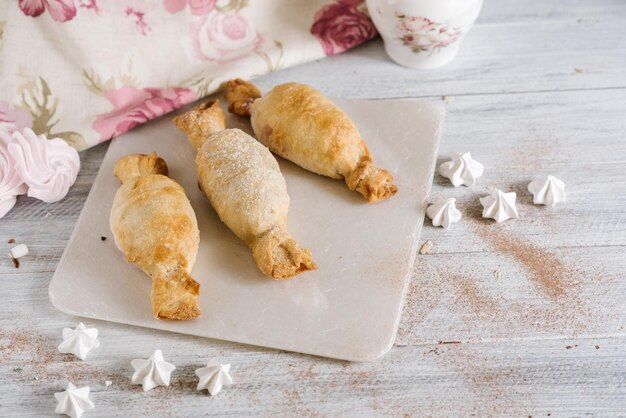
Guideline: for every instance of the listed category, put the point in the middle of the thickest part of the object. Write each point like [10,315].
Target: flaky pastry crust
[302,125]
[243,182]
[155,227]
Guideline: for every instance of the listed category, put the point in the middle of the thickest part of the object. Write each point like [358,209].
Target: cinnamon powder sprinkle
[472,296]
[546,270]
[11,241]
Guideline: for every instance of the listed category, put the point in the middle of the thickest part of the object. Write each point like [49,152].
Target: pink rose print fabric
[12,120]
[60,10]
[112,65]
[343,25]
[197,7]
[225,36]
[132,107]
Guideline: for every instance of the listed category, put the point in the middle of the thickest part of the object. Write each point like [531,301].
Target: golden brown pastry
[243,182]
[155,227]
[302,125]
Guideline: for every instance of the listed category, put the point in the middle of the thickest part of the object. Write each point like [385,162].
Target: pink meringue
[48,166]
[11,185]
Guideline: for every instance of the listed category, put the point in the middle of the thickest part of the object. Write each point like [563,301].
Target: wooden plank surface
[529,47]
[526,349]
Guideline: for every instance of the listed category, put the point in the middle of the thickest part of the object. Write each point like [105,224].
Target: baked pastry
[155,227]
[302,125]
[243,182]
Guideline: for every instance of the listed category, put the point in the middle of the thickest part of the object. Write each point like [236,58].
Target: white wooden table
[539,87]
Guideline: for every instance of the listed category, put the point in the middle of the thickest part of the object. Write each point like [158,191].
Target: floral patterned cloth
[89,70]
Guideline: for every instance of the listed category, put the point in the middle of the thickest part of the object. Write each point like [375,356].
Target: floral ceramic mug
[423,33]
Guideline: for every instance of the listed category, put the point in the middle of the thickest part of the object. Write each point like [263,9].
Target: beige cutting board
[348,309]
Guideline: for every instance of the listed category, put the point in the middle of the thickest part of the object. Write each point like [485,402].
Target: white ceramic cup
[423,33]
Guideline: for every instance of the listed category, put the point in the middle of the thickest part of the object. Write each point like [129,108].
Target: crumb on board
[427,247]
[449,342]
[447,99]
[597,347]
[103,238]
[567,347]
[11,241]
[579,70]
[497,274]
[16,262]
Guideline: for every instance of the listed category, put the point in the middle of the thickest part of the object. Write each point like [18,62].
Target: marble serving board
[349,308]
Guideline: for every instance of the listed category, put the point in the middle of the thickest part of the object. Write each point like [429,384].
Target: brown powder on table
[560,282]
[553,277]
[537,153]
[490,385]
[462,292]
[34,352]
[473,297]
[543,267]
[308,374]
[38,359]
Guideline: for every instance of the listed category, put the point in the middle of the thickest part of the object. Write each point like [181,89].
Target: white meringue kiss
[48,166]
[462,170]
[499,206]
[214,377]
[11,185]
[547,191]
[444,212]
[152,372]
[73,401]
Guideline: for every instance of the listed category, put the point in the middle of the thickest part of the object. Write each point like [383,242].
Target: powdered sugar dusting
[243,182]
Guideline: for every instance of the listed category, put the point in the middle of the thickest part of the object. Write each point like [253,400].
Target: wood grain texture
[521,109]
[497,56]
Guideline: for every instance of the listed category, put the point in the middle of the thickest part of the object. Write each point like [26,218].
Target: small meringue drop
[444,212]
[152,372]
[11,184]
[19,251]
[49,167]
[79,341]
[73,401]
[214,376]
[462,170]
[547,191]
[499,206]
